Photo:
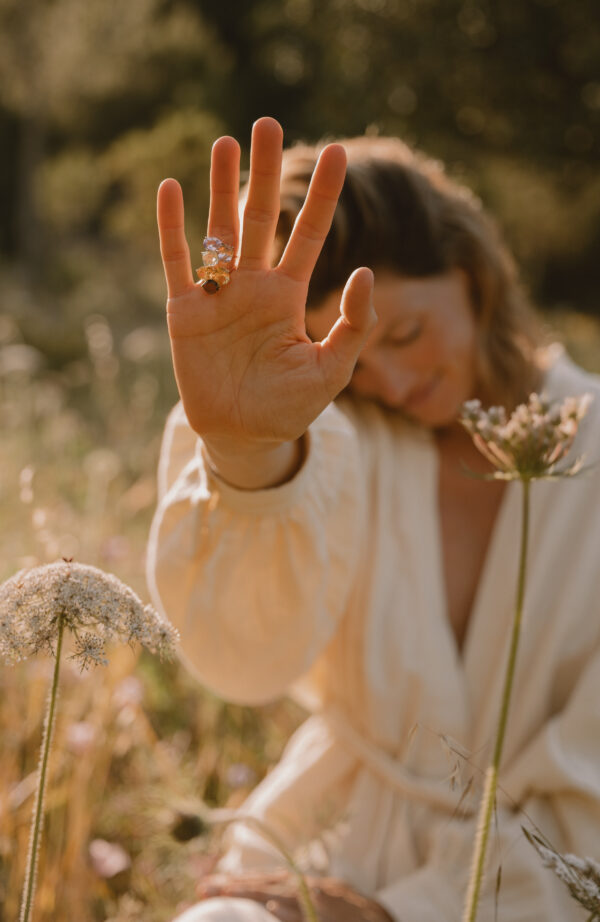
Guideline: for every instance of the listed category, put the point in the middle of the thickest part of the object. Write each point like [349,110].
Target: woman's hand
[247,373]
[333,899]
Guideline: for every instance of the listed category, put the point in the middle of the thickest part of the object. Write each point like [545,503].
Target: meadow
[99,101]
[139,745]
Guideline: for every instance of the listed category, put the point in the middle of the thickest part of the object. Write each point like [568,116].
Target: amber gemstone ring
[217,258]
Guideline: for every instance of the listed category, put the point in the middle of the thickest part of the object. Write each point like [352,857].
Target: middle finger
[262,206]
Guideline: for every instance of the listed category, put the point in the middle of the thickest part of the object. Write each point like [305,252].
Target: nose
[387,382]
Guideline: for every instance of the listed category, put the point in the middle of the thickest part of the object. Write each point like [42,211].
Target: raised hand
[246,371]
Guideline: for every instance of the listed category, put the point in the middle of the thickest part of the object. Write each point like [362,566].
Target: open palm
[245,368]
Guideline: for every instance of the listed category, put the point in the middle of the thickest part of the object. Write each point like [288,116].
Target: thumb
[341,348]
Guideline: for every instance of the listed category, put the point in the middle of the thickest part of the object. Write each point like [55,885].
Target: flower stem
[308,908]
[37,823]
[307,905]
[488,799]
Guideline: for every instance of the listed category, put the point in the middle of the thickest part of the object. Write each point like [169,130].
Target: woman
[338,552]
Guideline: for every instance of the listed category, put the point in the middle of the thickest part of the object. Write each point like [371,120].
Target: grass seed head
[581,875]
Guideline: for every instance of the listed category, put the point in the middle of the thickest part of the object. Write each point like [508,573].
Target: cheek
[454,354]
[462,344]
[439,349]
[430,349]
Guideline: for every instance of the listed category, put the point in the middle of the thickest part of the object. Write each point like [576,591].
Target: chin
[435,417]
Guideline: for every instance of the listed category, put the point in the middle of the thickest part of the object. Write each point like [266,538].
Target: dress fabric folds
[330,588]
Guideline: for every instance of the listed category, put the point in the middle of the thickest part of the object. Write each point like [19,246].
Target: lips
[420,395]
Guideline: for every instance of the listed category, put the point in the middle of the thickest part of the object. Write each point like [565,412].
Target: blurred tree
[447,71]
[509,93]
[65,65]
[99,100]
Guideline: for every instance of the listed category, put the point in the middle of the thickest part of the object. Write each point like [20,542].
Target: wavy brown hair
[398,210]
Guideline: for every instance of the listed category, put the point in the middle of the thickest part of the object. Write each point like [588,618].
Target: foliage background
[98,102]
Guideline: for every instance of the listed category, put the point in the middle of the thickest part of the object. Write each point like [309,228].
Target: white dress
[330,588]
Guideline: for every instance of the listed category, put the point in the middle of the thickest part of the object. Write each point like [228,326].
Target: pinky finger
[173,245]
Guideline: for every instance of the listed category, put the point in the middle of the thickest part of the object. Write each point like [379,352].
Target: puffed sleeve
[556,782]
[255,581]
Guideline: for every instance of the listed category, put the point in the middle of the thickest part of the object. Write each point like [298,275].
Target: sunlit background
[99,100]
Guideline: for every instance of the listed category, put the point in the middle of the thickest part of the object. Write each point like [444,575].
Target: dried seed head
[95,606]
[532,441]
[581,875]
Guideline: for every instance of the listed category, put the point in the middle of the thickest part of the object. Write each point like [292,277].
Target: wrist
[256,466]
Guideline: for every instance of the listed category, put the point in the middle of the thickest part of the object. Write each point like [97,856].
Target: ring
[217,258]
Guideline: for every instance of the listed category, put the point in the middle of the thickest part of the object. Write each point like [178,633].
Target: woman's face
[421,357]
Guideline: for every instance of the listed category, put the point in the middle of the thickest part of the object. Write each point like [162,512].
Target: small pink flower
[81,736]
[108,858]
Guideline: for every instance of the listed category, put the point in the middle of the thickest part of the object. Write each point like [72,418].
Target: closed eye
[409,337]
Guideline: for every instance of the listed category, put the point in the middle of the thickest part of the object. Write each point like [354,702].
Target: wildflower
[108,858]
[530,444]
[129,909]
[527,446]
[240,775]
[129,691]
[95,606]
[81,736]
[36,607]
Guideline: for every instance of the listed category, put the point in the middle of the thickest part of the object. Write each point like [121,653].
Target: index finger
[173,245]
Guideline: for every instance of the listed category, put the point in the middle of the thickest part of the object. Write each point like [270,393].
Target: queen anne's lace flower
[95,606]
[36,606]
[527,446]
[532,441]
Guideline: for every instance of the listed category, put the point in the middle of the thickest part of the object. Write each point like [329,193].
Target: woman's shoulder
[564,378]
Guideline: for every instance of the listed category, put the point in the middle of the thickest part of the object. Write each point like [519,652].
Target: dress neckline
[504,515]
[503,538]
